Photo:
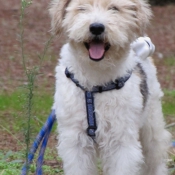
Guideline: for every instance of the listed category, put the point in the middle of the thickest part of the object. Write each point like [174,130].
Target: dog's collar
[89,96]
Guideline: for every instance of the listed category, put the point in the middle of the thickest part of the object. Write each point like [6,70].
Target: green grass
[11,163]
[169,62]
[13,102]
[12,109]
[10,102]
[169,103]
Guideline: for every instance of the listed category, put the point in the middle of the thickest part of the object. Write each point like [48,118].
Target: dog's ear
[57,12]
[144,14]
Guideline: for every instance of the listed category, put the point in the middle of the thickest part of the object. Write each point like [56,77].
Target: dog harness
[89,98]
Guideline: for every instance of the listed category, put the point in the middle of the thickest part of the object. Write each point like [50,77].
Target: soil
[36,34]
[37,26]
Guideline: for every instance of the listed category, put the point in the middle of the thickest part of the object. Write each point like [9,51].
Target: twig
[171,153]
[170,125]
[12,135]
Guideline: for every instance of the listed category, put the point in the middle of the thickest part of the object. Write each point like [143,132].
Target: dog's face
[100,25]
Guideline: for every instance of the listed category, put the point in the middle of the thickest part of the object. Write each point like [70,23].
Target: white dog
[107,98]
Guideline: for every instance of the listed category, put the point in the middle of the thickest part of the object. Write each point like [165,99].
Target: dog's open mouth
[97,49]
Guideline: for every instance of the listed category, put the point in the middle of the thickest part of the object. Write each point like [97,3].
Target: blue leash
[43,135]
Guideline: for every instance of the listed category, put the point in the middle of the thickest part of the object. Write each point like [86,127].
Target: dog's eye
[132,7]
[114,8]
[81,8]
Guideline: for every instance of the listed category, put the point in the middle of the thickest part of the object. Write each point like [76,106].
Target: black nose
[97,28]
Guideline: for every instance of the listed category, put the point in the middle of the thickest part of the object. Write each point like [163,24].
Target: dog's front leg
[123,159]
[78,153]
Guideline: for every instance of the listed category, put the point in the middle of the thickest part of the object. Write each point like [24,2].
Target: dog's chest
[113,109]
[117,111]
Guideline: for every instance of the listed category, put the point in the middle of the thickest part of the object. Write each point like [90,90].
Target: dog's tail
[143,47]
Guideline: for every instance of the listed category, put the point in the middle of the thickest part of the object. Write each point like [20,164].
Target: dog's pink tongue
[96,50]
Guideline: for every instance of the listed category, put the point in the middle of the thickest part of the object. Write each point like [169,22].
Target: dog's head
[100,25]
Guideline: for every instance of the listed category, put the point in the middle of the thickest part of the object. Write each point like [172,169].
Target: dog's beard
[97,49]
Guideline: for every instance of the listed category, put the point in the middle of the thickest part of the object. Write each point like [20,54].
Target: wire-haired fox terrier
[107,98]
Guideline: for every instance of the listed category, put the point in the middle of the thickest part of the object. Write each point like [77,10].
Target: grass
[13,104]
[169,103]
[11,163]
[170,61]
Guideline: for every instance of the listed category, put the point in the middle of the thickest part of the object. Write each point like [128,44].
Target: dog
[107,99]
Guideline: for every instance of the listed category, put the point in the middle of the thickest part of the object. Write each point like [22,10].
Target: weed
[31,73]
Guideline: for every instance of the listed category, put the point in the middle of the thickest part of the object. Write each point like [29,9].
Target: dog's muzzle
[97,47]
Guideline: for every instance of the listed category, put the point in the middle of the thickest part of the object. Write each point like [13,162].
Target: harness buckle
[91,131]
[119,84]
[100,89]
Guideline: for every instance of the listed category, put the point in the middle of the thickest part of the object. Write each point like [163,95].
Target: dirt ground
[37,26]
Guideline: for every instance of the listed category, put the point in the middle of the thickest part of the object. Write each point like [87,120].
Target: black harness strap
[89,97]
[92,126]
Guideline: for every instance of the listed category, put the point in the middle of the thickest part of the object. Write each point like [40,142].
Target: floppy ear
[57,12]
[144,14]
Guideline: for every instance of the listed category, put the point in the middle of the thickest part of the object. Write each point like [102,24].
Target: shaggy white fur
[130,136]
